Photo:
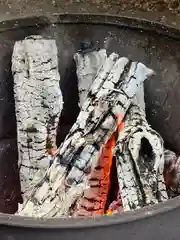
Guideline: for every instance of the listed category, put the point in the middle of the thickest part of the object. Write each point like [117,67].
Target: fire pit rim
[89,222]
[81,222]
[90,18]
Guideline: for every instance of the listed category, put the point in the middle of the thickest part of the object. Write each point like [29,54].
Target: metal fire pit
[155,45]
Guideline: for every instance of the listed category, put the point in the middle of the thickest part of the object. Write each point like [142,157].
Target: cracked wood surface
[139,150]
[38,103]
[94,197]
[67,177]
[87,67]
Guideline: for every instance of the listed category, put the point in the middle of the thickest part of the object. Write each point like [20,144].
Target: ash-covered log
[94,198]
[139,149]
[66,179]
[88,63]
[38,103]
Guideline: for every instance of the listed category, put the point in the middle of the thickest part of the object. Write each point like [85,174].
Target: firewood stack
[111,130]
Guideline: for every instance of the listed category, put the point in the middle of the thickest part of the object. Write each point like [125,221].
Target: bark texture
[139,151]
[88,65]
[38,102]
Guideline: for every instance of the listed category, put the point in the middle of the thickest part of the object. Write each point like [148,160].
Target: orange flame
[95,197]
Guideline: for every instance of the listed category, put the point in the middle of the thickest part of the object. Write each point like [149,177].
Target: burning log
[116,110]
[88,63]
[57,172]
[139,149]
[94,197]
[38,102]
[67,178]
[117,205]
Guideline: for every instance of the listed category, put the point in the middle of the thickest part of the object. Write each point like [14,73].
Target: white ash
[88,66]
[141,183]
[80,149]
[139,97]
[38,103]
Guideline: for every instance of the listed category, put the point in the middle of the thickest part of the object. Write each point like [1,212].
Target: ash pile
[111,161]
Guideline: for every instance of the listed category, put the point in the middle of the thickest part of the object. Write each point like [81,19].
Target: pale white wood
[38,103]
